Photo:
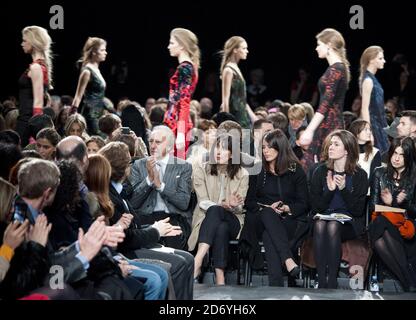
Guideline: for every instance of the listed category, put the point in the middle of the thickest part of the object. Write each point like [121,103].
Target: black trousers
[271,227]
[181,271]
[178,242]
[218,227]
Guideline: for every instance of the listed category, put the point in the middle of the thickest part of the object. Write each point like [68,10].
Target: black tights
[394,257]
[328,250]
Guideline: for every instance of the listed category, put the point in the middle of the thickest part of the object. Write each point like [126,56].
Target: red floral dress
[177,116]
[333,86]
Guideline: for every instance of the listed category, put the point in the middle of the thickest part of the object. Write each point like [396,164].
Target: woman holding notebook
[394,186]
[276,198]
[338,185]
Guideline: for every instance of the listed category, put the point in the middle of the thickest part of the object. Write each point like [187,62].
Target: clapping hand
[330,181]
[150,166]
[114,235]
[125,221]
[91,242]
[15,234]
[386,197]
[340,181]
[40,230]
[235,200]
[401,196]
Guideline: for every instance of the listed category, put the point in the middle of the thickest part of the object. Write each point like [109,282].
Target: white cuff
[148,182]
[162,187]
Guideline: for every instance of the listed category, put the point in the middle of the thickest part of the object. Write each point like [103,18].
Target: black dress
[26,100]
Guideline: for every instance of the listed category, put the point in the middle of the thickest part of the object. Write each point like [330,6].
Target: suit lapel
[169,174]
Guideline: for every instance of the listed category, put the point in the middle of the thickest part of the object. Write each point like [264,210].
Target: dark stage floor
[209,292]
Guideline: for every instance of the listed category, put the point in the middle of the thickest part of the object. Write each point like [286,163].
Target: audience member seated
[297,119]
[338,185]
[10,154]
[46,141]
[407,124]
[29,268]
[108,124]
[207,130]
[390,233]
[76,125]
[369,158]
[138,238]
[10,136]
[94,144]
[221,187]
[162,187]
[276,199]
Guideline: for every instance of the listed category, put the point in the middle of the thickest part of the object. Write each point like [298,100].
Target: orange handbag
[405,226]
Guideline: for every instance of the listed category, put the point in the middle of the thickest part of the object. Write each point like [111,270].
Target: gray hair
[36,176]
[169,135]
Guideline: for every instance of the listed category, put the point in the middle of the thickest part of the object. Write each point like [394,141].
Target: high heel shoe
[294,272]
[199,278]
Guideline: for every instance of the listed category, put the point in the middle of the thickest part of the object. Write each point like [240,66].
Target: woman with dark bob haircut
[338,185]
[221,186]
[276,198]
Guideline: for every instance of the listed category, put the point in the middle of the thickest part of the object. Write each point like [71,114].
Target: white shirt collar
[118,186]
[164,161]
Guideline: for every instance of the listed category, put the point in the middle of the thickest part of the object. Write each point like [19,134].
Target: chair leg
[247,274]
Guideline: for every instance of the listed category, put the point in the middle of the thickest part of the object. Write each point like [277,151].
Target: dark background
[280,35]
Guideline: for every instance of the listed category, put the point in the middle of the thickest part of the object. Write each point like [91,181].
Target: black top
[26,89]
[353,195]
[381,181]
[290,187]
[136,237]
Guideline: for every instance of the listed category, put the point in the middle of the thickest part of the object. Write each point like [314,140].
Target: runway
[232,292]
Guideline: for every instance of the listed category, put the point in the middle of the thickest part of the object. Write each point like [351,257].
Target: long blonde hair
[369,54]
[91,46]
[189,41]
[335,38]
[229,46]
[40,40]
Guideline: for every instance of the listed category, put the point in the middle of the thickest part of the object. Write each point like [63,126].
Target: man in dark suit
[162,186]
[140,242]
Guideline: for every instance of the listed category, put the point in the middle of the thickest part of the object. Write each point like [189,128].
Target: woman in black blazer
[276,198]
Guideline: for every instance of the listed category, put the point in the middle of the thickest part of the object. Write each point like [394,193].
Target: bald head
[73,147]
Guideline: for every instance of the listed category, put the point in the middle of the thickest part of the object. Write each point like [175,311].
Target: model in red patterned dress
[183,44]
[34,82]
[333,86]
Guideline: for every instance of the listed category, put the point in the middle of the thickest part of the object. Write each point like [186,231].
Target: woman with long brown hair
[338,185]
[97,179]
